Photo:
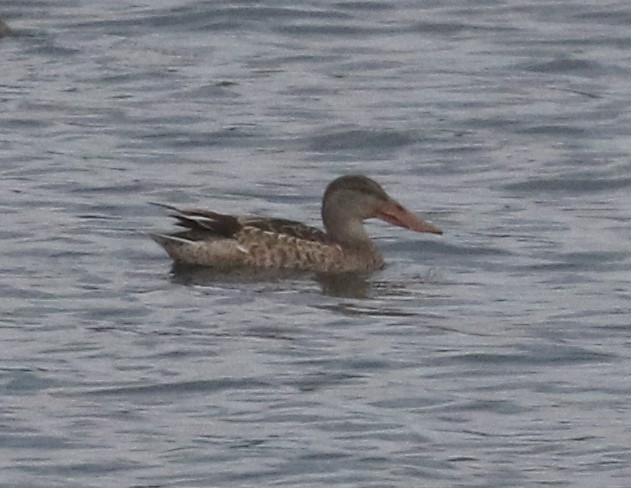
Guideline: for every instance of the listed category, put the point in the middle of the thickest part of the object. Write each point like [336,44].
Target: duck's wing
[206,224]
[203,224]
[289,228]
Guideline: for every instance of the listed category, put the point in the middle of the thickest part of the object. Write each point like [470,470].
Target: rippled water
[496,355]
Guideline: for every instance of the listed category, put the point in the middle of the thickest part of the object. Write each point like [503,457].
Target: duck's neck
[347,230]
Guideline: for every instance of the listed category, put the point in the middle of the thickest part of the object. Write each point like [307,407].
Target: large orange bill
[396,214]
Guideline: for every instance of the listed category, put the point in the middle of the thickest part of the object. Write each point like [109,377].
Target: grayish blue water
[494,356]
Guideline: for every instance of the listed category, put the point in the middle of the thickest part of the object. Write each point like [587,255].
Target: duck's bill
[396,214]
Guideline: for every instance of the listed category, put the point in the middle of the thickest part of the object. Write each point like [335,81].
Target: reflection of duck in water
[4,29]
[226,241]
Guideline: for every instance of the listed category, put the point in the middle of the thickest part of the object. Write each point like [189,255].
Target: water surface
[495,355]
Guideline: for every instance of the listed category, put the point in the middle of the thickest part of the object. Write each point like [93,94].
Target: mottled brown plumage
[225,241]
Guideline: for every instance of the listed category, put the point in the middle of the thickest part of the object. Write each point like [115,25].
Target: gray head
[351,199]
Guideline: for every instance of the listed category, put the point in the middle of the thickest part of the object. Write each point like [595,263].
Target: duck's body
[4,29]
[226,241]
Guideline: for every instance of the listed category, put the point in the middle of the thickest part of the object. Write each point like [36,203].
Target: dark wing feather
[213,223]
[204,224]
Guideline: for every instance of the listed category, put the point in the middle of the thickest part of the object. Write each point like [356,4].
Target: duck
[4,29]
[223,241]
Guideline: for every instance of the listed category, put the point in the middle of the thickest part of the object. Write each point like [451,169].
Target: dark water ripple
[495,355]
[571,184]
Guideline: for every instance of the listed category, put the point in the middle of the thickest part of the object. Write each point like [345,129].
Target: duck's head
[351,199]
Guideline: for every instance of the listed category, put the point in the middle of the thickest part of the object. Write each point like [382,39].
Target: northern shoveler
[226,241]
